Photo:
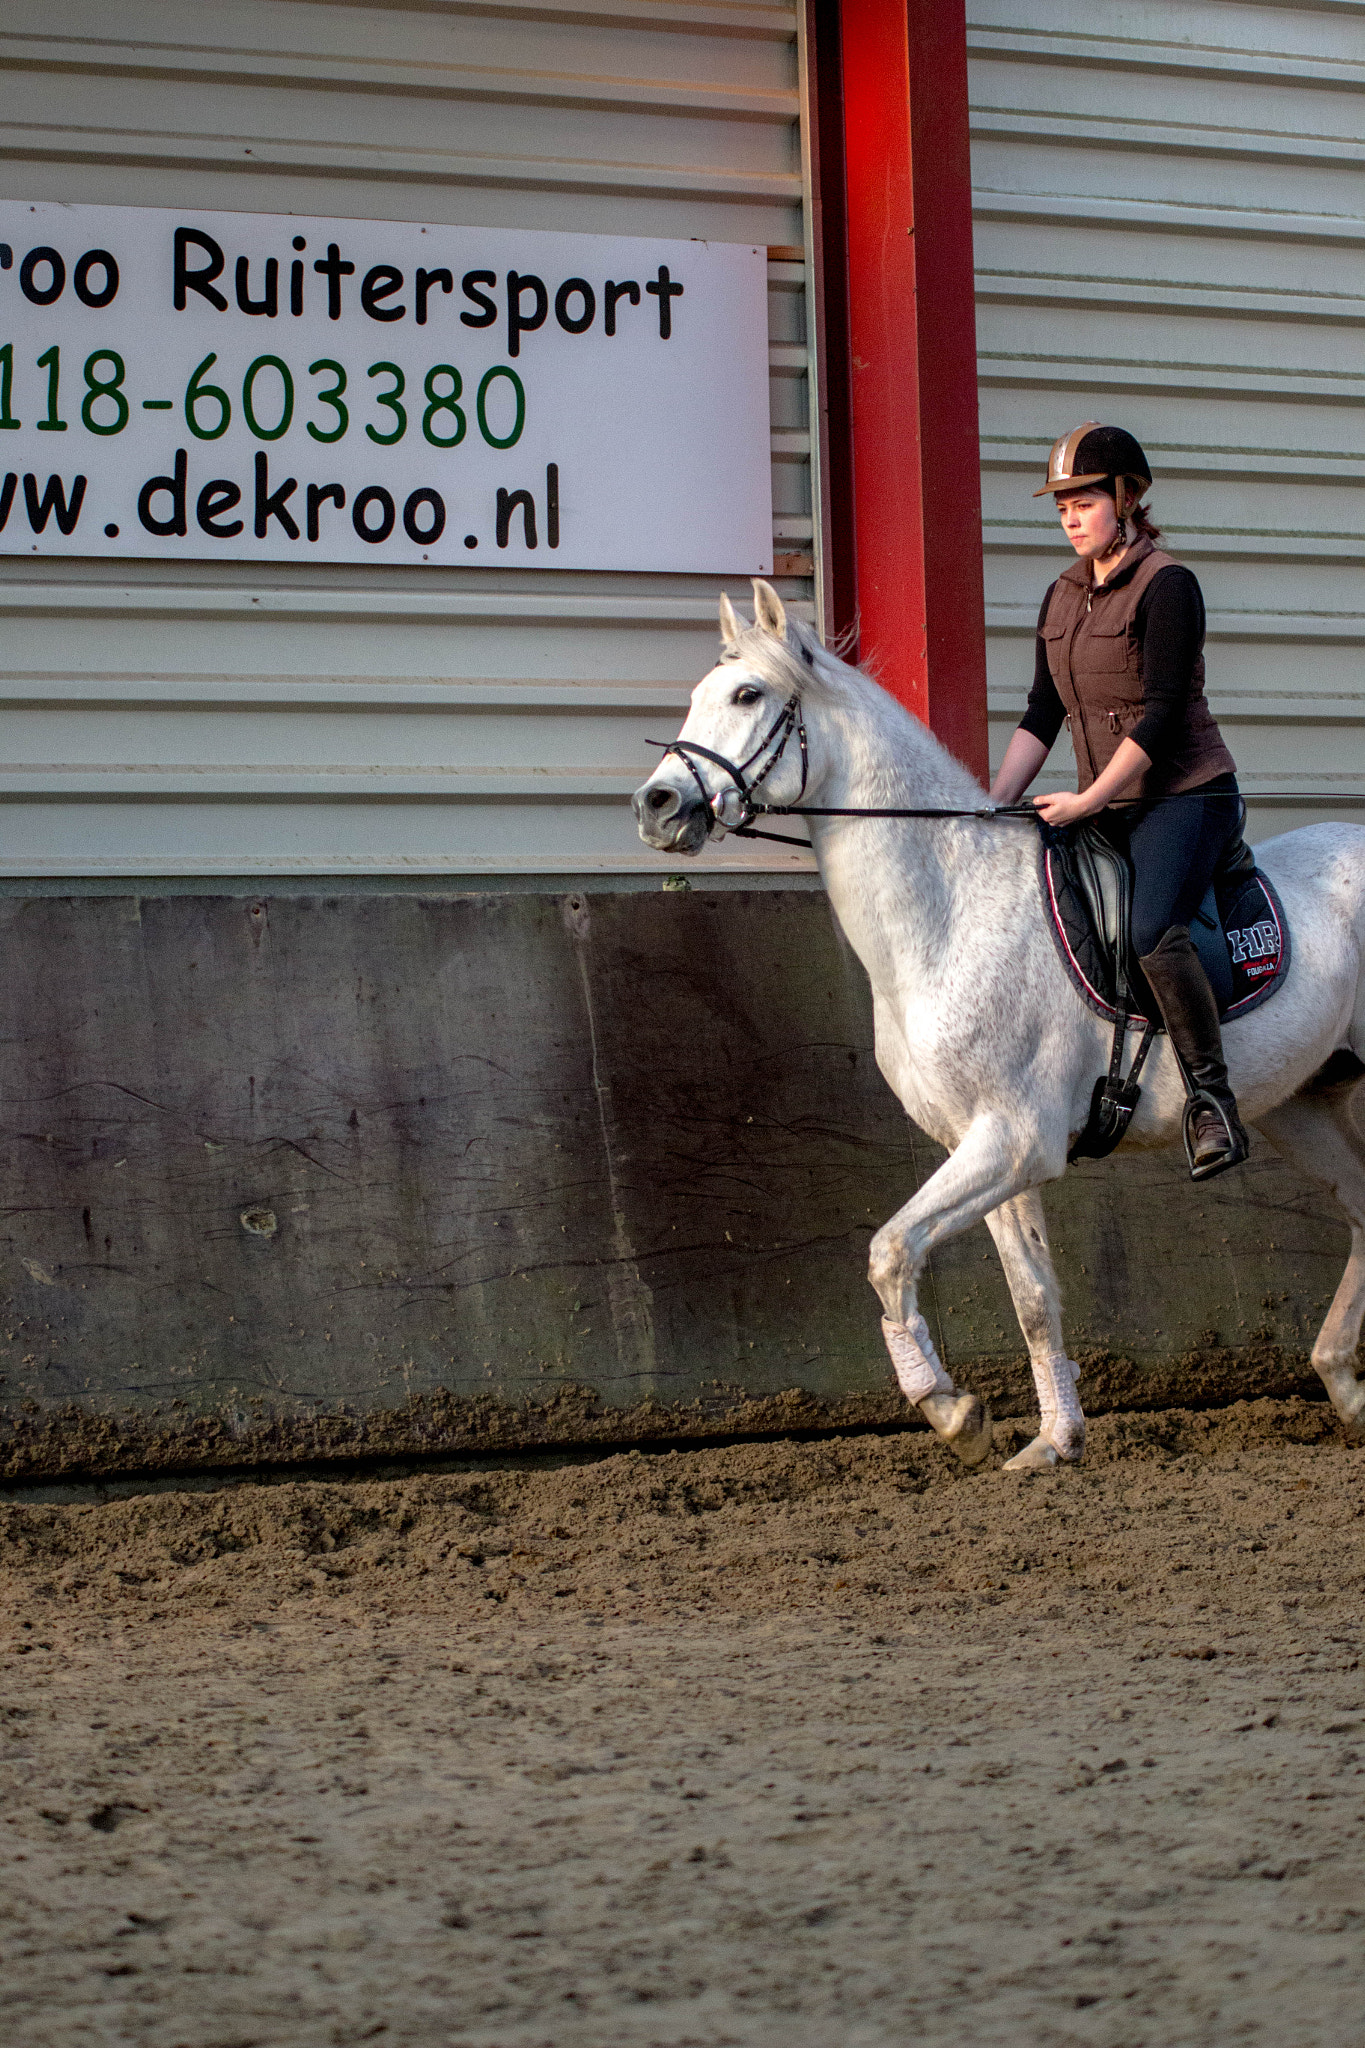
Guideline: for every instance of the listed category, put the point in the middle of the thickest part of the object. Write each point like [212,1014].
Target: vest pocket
[1053,637]
[1101,649]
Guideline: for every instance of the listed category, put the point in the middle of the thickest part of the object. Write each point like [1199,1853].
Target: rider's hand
[1063,806]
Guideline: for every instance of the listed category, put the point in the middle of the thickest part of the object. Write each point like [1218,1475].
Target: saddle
[1239,932]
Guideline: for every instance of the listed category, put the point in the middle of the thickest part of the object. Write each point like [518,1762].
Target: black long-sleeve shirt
[1170,626]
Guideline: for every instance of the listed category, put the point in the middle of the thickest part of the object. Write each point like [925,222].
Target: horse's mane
[802,666]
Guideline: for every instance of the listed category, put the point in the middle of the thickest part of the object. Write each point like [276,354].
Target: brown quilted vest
[1095,656]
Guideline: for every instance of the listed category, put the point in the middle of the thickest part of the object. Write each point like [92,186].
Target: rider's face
[1089,521]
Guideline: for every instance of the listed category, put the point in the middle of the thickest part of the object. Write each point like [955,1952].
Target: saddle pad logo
[1255,947]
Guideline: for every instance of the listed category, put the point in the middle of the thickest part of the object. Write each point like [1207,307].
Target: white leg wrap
[915,1359]
[1063,1419]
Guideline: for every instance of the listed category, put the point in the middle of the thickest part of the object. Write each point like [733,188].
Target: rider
[1119,656]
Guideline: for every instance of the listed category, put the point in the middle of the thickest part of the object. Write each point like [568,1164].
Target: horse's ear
[769,612]
[730,627]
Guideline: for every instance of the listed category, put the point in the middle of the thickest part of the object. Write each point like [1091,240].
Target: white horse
[979,1030]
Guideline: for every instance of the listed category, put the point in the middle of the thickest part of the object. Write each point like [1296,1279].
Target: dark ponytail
[1139,521]
[1142,522]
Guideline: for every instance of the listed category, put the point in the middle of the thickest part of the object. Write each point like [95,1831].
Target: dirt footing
[764,1745]
[72,1442]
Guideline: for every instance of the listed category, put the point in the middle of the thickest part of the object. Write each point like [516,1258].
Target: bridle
[774,744]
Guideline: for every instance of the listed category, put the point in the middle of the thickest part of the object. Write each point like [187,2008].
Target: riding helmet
[1092,454]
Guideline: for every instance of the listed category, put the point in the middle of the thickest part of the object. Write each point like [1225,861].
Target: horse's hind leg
[1317,1132]
[1020,1234]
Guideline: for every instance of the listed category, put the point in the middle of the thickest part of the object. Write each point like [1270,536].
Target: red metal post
[829,229]
[912,349]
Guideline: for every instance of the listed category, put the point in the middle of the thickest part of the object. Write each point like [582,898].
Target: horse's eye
[747,696]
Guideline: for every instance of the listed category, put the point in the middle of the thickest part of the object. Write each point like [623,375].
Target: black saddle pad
[1240,933]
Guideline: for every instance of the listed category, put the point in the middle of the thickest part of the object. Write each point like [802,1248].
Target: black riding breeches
[1174,846]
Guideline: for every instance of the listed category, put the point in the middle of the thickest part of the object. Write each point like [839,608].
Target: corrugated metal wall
[224,719]
[1170,233]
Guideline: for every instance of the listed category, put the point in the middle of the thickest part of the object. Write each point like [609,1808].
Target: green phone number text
[268,387]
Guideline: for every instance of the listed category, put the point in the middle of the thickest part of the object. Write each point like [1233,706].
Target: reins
[988,811]
[789,721]
[747,831]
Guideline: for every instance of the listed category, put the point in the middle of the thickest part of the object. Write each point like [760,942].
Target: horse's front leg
[988,1167]
[1020,1233]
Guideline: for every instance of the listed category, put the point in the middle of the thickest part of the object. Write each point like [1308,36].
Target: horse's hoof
[1347,1395]
[972,1439]
[1039,1456]
[963,1422]
[1042,1455]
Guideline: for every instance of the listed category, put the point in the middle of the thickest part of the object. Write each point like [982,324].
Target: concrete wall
[370,1173]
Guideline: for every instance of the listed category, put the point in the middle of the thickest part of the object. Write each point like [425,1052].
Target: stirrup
[1237,1147]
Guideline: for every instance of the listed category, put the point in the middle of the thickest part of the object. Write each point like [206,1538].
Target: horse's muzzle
[671,820]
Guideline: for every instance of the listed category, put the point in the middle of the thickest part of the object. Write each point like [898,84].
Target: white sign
[265,387]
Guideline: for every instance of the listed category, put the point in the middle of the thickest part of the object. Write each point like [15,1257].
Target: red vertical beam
[912,349]
[829,224]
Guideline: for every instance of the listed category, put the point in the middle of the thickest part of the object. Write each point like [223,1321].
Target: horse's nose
[656,799]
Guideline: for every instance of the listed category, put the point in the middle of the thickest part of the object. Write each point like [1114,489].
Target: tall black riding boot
[1214,1137]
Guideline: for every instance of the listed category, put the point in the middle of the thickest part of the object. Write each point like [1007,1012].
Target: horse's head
[743,734]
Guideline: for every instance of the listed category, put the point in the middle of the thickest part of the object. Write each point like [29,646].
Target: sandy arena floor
[817,1745]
